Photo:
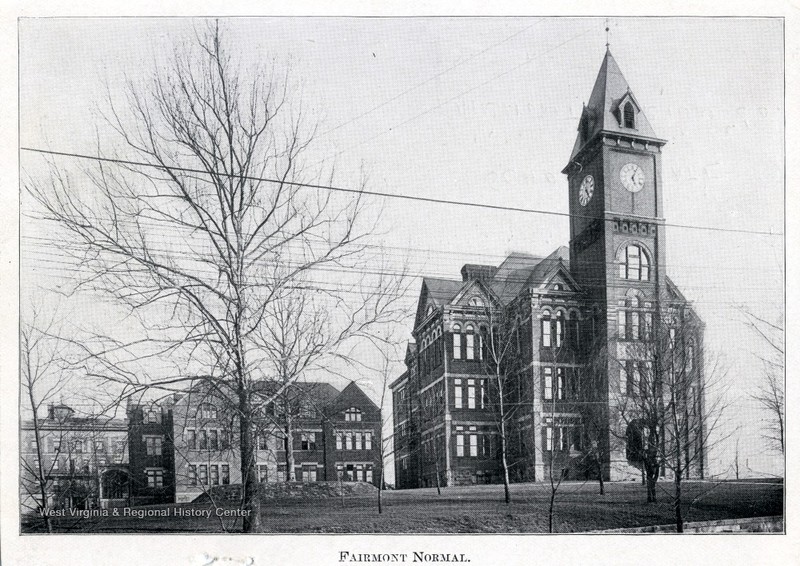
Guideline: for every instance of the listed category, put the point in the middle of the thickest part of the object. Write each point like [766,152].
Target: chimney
[472,271]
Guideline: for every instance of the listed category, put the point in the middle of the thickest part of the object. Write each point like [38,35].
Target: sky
[484,110]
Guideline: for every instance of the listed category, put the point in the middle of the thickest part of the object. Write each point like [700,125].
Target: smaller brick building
[152,454]
[334,435]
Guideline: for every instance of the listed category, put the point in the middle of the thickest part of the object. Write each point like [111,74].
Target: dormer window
[628,116]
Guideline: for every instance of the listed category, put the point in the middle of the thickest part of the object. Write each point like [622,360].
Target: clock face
[586,191]
[632,177]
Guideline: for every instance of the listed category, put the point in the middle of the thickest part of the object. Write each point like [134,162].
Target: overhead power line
[400,196]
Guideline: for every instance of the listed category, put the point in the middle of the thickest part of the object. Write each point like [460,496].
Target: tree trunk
[552,504]
[251,498]
[678,513]
[652,478]
[436,460]
[42,479]
[380,491]
[503,448]
[288,443]
[600,475]
[504,461]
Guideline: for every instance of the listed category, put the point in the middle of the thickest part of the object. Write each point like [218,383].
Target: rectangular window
[119,447]
[458,393]
[471,393]
[456,346]
[486,445]
[214,474]
[671,338]
[77,446]
[560,383]
[57,445]
[263,442]
[559,332]
[263,473]
[485,393]
[155,478]
[470,346]
[369,475]
[548,383]
[358,440]
[213,440]
[203,440]
[192,474]
[153,444]
[308,441]
[99,446]
[459,445]
[226,474]
[648,326]
[636,379]
[473,445]
[621,325]
[623,380]
[348,441]
[548,438]
[546,339]
[191,438]
[368,440]
[635,326]
[203,468]
[338,440]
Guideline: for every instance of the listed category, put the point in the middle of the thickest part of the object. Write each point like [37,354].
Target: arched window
[634,263]
[476,302]
[628,115]
[547,340]
[352,415]
[470,342]
[456,341]
[559,329]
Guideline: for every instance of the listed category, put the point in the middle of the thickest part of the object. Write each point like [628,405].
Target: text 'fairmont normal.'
[351,557]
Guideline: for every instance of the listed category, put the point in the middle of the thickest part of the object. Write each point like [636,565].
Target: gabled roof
[601,111]
[352,395]
[516,273]
[513,274]
[542,272]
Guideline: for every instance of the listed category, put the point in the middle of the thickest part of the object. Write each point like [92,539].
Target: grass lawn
[473,509]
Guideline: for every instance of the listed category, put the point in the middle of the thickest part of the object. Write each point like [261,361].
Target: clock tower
[616,220]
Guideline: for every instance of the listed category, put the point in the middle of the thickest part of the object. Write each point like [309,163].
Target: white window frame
[548,384]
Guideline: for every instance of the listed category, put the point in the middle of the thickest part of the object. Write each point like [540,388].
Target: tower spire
[608,42]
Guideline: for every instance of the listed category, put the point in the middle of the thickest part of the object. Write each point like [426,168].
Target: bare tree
[501,349]
[205,233]
[673,400]
[431,450]
[770,393]
[44,374]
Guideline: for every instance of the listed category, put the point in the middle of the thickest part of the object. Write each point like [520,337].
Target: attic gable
[475,294]
[353,396]
[559,279]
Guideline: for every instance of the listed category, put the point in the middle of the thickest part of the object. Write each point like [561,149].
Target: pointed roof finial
[607,35]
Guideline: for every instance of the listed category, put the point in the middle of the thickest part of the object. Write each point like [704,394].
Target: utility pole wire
[376,193]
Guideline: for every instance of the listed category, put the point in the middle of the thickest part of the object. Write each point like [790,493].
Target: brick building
[334,434]
[84,460]
[583,320]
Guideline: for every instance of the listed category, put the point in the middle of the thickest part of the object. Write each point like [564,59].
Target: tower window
[628,116]
[635,264]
